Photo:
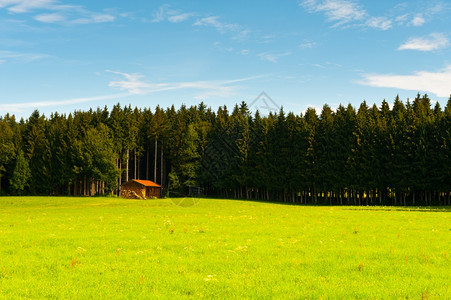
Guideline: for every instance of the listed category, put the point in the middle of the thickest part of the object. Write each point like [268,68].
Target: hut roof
[147,183]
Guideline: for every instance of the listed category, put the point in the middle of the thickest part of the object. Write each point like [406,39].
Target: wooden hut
[140,189]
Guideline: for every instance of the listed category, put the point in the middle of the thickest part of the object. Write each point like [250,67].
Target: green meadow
[103,248]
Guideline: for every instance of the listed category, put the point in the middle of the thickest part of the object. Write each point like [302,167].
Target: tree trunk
[147,163]
[127,159]
[134,160]
[120,177]
[155,163]
[139,169]
[161,168]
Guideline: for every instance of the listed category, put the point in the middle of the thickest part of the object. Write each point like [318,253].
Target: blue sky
[70,55]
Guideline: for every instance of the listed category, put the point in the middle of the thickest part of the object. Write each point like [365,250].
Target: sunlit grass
[115,248]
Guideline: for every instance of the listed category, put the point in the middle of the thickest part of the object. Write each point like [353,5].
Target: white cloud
[56,13]
[19,107]
[161,14]
[432,42]
[135,85]
[180,18]
[402,19]
[418,20]
[23,6]
[306,44]
[20,57]
[272,56]
[132,83]
[338,11]
[379,22]
[239,33]
[350,12]
[50,18]
[319,66]
[164,13]
[423,81]
[220,26]
[94,18]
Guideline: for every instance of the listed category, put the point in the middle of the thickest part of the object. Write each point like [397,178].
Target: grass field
[114,248]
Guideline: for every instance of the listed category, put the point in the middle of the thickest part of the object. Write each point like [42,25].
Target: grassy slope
[115,248]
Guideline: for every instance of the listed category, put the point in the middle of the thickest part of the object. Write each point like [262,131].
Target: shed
[140,189]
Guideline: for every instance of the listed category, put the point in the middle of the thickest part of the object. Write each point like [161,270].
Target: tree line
[372,155]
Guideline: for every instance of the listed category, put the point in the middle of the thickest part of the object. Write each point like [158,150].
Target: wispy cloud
[238,31]
[20,107]
[418,20]
[434,41]
[23,6]
[306,44]
[407,17]
[50,18]
[273,56]
[345,13]
[131,83]
[380,23]
[94,18]
[220,26]
[319,66]
[337,11]
[180,18]
[166,13]
[56,12]
[135,84]
[74,15]
[7,56]
[422,81]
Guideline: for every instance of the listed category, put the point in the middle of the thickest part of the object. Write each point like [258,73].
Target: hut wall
[153,192]
[135,187]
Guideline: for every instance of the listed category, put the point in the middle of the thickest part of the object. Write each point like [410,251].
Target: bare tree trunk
[139,169]
[155,163]
[147,163]
[127,164]
[120,177]
[161,168]
[134,160]
[84,186]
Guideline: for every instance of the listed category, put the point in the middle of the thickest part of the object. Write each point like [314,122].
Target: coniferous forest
[397,154]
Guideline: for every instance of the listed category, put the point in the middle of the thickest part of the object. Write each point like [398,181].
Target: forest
[397,154]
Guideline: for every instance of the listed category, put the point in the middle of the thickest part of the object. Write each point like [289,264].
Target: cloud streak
[20,107]
[165,13]
[135,84]
[239,33]
[379,23]
[422,81]
[55,12]
[8,56]
[272,56]
[434,41]
[24,6]
[339,12]
[350,12]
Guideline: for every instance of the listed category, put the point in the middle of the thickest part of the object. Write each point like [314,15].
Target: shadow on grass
[402,208]
[345,207]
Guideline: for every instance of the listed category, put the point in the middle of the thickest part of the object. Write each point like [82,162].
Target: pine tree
[21,174]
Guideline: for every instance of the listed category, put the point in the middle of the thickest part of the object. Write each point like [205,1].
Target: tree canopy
[370,155]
